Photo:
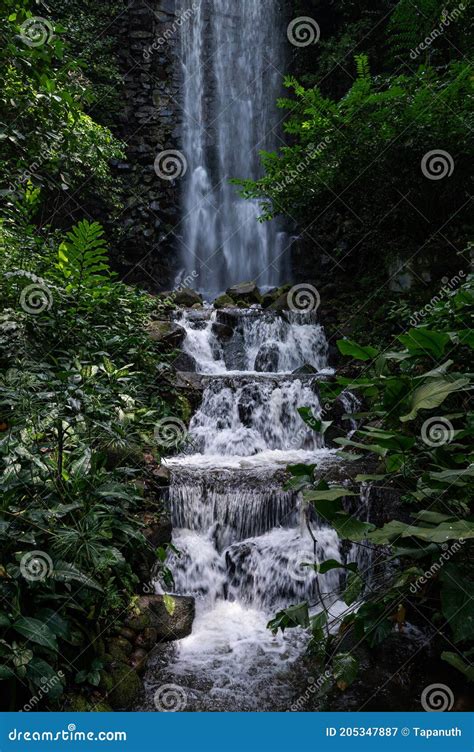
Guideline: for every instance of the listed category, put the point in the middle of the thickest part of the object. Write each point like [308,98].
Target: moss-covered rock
[119,648]
[223,301]
[122,685]
[246,292]
[172,619]
[187,298]
[166,333]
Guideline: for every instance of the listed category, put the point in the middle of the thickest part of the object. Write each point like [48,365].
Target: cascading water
[232,57]
[256,342]
[241,537]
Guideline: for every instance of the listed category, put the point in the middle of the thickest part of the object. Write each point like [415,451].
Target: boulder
[187,298]
[166,333]
[246,292]
[267,358]
[280,304]
[119,648]
[172,623]
[221,331]
[185,362]
[122,685]
[157,532]
[269,297]
[223,301]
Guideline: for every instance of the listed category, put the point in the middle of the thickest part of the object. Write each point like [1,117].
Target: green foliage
[47,136]
[78,407]
[418,426]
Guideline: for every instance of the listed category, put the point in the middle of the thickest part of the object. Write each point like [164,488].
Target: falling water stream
[232,59]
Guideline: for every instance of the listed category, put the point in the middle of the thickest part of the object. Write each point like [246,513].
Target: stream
[241,536]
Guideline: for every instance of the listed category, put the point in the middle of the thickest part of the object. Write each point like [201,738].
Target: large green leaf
[439,534]
[36,631]
[432,394]
[359,352]
[422,341]
[293,616]
[331,494]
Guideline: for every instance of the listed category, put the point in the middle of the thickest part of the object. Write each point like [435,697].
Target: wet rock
[138,660]
[306,370]
[222,331]
[151,611]
[162,472]
[250,398]
[157,532]
[166,333]
[185,362]
[187,298]
[147,639]
[223,301]
[267,358]
[269,297]
[247,292]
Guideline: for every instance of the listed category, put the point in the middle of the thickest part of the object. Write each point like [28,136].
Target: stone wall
[149,124]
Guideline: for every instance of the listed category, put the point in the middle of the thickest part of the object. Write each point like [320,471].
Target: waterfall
[241,538]
[232,59]
[256,342]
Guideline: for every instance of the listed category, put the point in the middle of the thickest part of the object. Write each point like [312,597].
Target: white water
[242,539]
[260,342]
[232,68]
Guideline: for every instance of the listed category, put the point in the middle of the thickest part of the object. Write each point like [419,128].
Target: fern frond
[82,257]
